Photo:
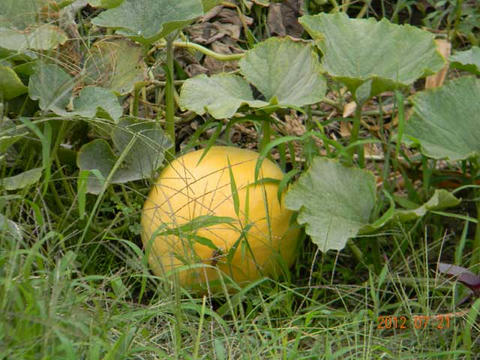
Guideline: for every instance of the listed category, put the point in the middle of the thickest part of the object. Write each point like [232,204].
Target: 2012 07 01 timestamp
[438,322]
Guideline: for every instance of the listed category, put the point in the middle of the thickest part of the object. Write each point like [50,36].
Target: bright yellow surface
[186,190]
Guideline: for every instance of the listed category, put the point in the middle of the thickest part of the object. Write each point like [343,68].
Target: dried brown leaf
[283,18]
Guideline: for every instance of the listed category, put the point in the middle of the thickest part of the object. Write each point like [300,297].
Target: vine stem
[357,253]
[169,96]
[475,261]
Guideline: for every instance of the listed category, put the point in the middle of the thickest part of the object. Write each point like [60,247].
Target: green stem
[267,131]
[204,50]
[356,123]
[169,96]
[208,52]
[476,241]
[354,137]
[357,253]
[136,96]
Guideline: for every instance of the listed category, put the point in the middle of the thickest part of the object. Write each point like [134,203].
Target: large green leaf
[139,151]
[150,20]
[93,99]
[52,87]
[380,54]
[334,202]
[220,95]
[287,73]
[286,70]
[44,37]
[20,14]
[446,121]
[116,65]
[10,84]
[468,60]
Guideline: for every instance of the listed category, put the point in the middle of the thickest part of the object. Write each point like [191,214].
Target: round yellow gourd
[187,189]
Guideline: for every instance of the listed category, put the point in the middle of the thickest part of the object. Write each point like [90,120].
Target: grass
[75,283]
[99,300]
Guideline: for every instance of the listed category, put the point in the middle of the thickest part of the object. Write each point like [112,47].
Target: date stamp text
[439,322]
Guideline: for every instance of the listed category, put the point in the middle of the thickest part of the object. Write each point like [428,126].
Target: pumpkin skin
[187,189]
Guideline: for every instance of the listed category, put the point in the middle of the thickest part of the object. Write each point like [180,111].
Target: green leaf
[10,228]
[10,84]
[139,147]
[8,140]
[22,180]
[20,14]
[468,60]
[221,95]
[93,100]
[445,121]
[116,65]
[44,37]
[334,202]
[441,199]
[286,70]
[147,152]
[52,87]
[96,155]
[197,223]
[149,20]
[358,50]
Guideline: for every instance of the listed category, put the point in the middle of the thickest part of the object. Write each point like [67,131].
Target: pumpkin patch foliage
[240,179]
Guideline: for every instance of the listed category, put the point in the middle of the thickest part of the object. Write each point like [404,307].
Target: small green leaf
[144,144]
[116,65]
[92,99]
[286,69]
[441,199]
[358,50]
[468,60]
[10,84]
[22,180]
[221,95]
[149,20]
[334,202]
[8,140]
[445,121]
[52,87]
[10,228]
[44,37]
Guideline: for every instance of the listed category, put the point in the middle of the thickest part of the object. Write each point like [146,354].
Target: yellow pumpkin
[189,188]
